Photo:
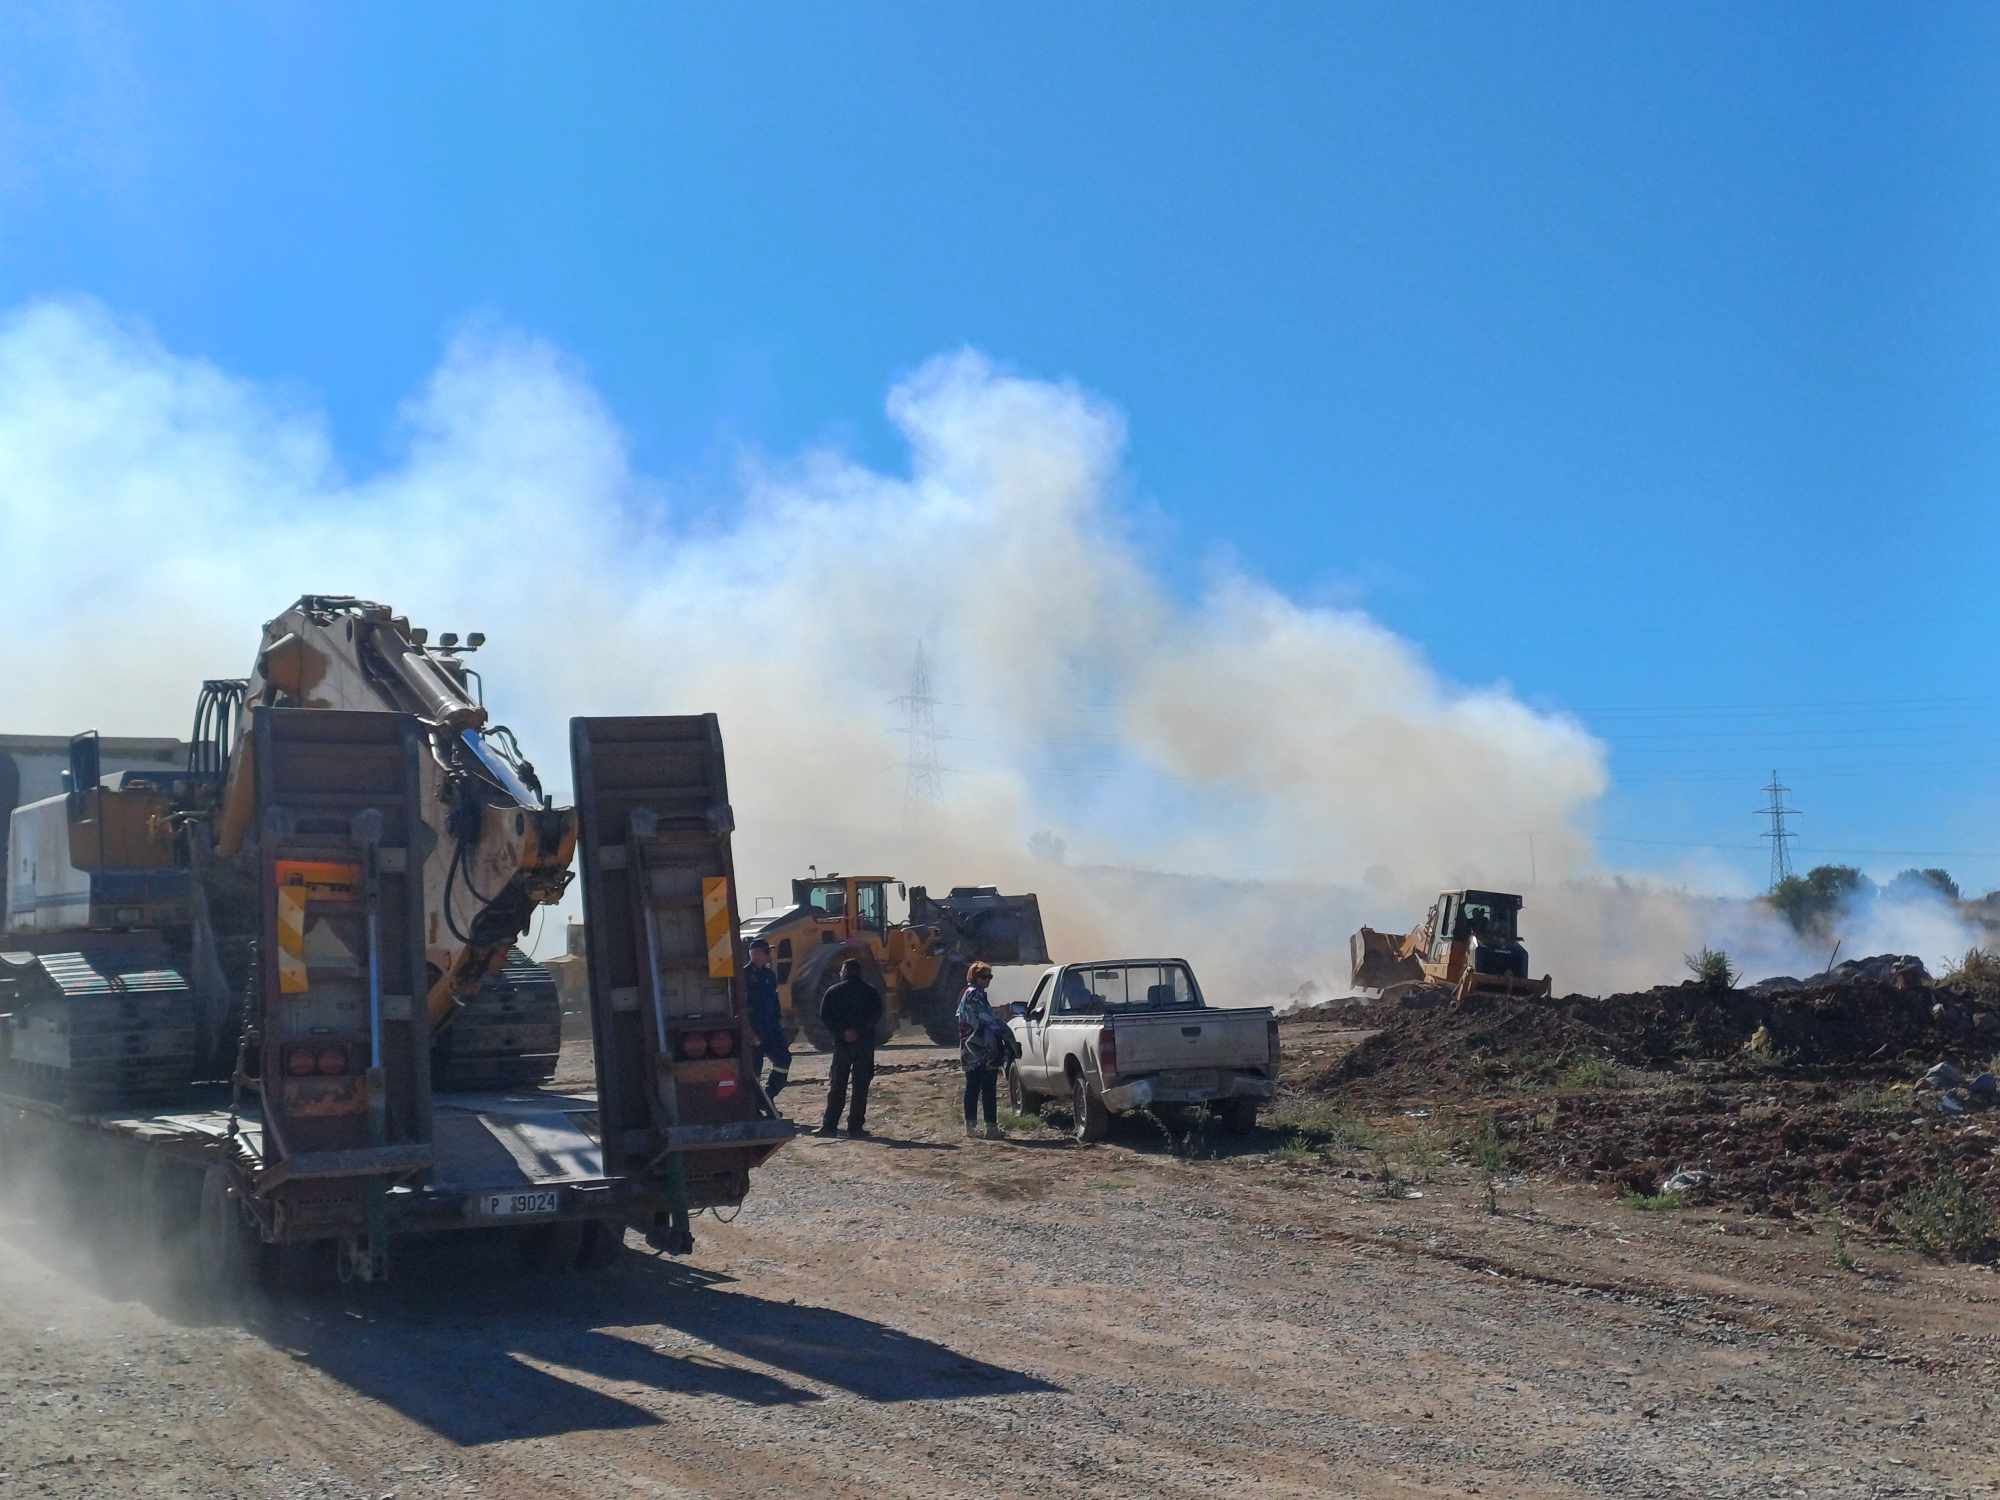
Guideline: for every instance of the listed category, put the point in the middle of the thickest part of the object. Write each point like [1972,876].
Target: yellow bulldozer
[918,963]
[1468,944]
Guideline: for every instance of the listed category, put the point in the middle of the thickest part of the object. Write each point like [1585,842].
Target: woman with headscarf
[982,1051]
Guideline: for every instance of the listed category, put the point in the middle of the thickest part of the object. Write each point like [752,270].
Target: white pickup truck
[1128,1034]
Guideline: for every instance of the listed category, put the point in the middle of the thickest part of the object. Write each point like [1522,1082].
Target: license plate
[1190,1079]
[517,1205]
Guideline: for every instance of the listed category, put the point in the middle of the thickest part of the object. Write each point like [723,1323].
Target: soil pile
[1771,1150]
[1870,1018]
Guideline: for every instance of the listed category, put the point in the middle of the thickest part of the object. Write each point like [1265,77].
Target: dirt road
[924,1315]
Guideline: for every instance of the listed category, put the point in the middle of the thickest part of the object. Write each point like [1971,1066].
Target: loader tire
[821,972]
[1093,1120]
[942,1030]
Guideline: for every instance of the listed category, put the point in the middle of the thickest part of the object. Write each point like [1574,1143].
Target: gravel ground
[924,1315]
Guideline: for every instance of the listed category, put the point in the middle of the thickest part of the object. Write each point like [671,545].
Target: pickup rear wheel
[1093,1121]
[1239,1116]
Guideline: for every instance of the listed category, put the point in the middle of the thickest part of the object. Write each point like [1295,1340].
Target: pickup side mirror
[1017,1009]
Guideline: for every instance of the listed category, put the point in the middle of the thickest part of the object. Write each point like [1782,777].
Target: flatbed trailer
[528,1160]
[292,1159]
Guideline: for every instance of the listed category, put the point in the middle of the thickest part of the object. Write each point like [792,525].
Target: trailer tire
[1093,1120]
[298,1272]
[603,1245]
[551,1249]
[169,1207]
[226,1239]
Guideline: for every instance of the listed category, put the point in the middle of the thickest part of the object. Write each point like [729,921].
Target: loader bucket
[984,924]
[1377,962]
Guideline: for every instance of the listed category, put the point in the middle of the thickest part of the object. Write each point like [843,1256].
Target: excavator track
[506,1036]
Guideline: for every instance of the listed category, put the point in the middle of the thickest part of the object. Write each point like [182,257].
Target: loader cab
[857,902]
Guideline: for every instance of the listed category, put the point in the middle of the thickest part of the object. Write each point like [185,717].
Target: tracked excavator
[285,974]
[1468,944]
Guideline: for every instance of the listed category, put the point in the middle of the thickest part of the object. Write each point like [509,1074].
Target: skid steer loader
[1468,944]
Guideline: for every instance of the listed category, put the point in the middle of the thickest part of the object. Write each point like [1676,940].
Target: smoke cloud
[1311,768]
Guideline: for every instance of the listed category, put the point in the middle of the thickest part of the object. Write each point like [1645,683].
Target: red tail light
[694,1044]
[1107,1053]
[301,1062]
[721,1043]
[331,1060]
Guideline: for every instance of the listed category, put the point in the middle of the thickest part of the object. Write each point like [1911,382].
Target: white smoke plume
[154,510]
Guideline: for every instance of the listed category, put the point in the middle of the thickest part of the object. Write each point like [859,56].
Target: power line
[1806,848]
[1780,836]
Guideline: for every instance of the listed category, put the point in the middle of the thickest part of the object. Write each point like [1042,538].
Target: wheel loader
[918,964]
[1468,944]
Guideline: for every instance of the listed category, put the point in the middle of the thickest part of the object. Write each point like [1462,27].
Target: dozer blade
[1376,964]
[1476,986]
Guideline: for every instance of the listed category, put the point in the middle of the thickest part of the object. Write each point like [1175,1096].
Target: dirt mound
[1875,1018]
[1772,1151]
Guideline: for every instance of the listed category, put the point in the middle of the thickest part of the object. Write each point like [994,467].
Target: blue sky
[1645,361]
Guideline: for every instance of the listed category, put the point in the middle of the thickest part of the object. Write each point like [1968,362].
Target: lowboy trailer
[328,1141]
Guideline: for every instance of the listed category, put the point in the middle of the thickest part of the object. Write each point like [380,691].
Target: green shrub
[1295,1147]
[1593,1073]
[1651,1203]
[1978,971]
[1944,1218]
[1711,966]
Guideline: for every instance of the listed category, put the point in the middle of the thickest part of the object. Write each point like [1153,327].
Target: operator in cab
[852,1011]
[767,1021]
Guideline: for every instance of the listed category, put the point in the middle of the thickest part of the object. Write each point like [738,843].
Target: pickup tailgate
[1174,1041]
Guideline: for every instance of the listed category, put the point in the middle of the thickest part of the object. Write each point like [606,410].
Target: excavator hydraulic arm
[497,847]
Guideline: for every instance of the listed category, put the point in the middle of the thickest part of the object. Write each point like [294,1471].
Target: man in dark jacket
[851,1010]
[767,1020]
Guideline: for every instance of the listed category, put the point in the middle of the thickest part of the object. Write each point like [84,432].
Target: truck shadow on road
[480,1355]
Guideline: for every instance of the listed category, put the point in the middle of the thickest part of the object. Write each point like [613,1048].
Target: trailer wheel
[550,1249]
[168,1209]
[226,1239]
[1093,1121]
[603,1245]
[298,1272]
